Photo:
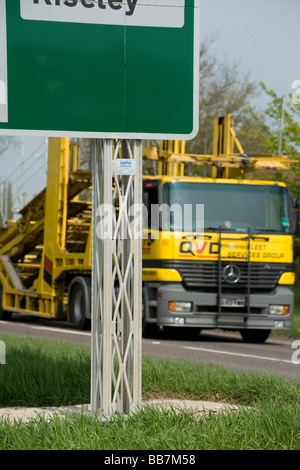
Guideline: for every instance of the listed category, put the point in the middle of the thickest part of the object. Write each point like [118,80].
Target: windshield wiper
[196,235]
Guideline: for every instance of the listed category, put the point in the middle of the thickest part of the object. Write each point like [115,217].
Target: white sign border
[133,135]
[3,63]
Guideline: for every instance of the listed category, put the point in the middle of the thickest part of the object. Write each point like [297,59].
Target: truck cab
[220,257]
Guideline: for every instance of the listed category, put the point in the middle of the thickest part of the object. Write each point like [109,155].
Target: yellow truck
[237,273]
[234,273]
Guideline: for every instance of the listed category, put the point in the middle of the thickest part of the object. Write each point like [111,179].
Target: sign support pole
[116,276]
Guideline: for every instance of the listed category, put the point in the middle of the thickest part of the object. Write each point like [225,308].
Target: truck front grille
[206,275]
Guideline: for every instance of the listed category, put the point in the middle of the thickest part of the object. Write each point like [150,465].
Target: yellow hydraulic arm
[227,161]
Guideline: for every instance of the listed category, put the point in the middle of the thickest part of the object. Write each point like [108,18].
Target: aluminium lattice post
[132,264]
[137,295]
[116,260]
[101,281]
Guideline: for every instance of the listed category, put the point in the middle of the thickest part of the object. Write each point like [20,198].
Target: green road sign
[99,68]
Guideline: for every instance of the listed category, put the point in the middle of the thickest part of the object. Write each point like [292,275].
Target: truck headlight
[279,309]
[180,306]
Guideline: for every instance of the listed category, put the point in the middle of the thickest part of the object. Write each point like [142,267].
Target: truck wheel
[148,329]
[255,336]
[4,315]
[79,304]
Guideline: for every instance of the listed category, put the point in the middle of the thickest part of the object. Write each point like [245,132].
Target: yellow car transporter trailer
[45,256]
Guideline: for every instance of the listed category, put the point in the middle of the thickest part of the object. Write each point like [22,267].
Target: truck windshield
[231,207]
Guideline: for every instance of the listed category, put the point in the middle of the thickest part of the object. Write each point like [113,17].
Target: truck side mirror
[296,223]
[294,209]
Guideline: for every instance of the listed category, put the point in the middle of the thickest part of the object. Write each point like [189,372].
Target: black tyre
[79,304]
[4,315]
[148,329]
[255,336]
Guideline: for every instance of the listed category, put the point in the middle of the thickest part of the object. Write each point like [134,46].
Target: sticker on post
[125,167]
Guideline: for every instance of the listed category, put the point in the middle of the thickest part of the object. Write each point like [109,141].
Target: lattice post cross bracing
[116,277]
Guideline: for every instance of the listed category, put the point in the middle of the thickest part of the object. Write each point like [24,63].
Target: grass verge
[265,428]
[50,373]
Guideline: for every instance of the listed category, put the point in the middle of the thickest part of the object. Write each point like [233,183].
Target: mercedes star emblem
[231,274]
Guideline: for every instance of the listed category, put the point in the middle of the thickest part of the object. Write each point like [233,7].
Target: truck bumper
[205,312]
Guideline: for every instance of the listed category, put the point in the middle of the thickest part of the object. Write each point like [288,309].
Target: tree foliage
[223,90]
[267,129]
[278,122]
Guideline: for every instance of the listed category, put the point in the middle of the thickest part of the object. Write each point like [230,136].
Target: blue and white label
[155,13]
[3,63]
[125,167]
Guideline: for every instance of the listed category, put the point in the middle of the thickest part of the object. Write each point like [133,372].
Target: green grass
[267,428]
[43,373]
[53,373]
[50,373]
[296,322]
